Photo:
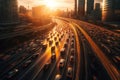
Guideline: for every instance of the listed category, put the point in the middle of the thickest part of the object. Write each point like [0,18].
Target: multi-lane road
[71,50]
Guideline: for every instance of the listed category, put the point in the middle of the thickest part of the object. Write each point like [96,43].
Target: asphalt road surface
[71,50]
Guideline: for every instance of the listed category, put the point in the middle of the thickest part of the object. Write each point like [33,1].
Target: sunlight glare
[50,3]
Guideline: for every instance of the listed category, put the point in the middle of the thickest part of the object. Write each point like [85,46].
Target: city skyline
[59,39]
[58,3]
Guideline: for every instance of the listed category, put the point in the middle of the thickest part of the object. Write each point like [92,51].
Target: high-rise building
[117,4]
[81,7]
[111,10]
[40,11]
[97,12]
[75,7]
[90,6]
[117,10]
[97,6]
[108,10]
[8,12]
[22,10]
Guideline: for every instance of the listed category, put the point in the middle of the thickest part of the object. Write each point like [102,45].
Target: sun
[50,3]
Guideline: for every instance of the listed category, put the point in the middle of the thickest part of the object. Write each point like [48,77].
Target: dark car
[71,59]
[53,57]
[62,52]
[50,42]
[66,45]
[27,63]
[35,55]
[12,73]
[52,49]
[44,46]
[46,66]
[57,43]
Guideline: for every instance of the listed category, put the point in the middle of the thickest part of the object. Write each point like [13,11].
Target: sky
[59,4]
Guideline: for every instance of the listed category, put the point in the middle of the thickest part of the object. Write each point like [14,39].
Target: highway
[71,50]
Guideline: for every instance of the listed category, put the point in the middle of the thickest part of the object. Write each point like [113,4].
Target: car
[57,43]
[48,39]
[50,42]
[12,73]
[28,62]
[62,36]
[72,44]
[72,51]
[58,35]
[62,52]
[62,63]
[69,72]
[46,66]
[66,45]
[58,77]
[52,49]
[55,38]
[72,59]
[68,40]
[72,40]
[59,39]
[73,36]
[35,55]
[53,57]
[44,46]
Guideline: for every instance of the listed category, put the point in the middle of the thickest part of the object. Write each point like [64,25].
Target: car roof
[62,60]
[58,77]
[69,69]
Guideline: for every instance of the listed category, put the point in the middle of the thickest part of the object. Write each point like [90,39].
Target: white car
[69,72]
[62,63]
[58,77]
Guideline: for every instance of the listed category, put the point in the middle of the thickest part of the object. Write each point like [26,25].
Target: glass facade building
[90,6]
[8,12]
[111,10]
[81,7]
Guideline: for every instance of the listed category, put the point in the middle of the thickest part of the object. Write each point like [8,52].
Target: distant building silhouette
[22,10]
[40,11]
[97,6]
[97,11]
[81,8]
[75,8]
[8,12]
[90,6]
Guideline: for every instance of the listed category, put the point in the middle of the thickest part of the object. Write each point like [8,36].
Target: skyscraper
[97,6]
[97,11]
[90,6]
[8,12]
[75,7]
[117,4]
[81,7]
[39,12]
[117,10]
[108,10]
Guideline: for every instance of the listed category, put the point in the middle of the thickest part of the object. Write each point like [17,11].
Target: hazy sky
[62,4]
